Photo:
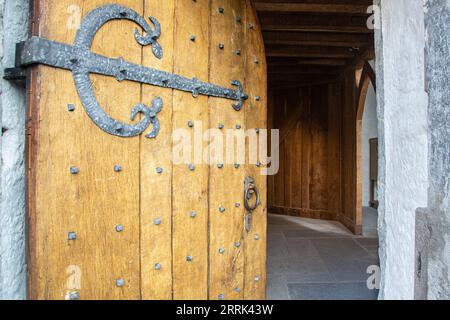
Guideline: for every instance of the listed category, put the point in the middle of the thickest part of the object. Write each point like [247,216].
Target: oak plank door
[154,229]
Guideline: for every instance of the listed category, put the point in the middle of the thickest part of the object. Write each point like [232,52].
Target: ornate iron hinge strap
[82,61]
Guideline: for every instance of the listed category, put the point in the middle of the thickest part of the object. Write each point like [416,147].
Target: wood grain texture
[256,117]
[190,188]
[156,189]
[226,184]
[314,171]
[93,202]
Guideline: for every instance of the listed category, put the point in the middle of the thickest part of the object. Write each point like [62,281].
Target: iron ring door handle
[251,189]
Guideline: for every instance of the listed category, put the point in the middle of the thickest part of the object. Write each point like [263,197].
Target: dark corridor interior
[317,54]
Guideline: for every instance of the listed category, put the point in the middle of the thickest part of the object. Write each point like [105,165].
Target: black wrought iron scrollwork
[82,62]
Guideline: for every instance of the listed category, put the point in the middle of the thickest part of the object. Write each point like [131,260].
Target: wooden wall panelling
[306,152]
[318,161]
[309,183]
[334,147]
[270,125]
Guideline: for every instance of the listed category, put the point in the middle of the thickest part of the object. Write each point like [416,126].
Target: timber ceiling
[314,41]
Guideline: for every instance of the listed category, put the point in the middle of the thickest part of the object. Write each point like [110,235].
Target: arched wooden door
[111,215]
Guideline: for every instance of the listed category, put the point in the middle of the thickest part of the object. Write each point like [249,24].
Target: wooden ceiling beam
[303,69]
[314,23]
[309,52]
[317,39]
[299,77]
[274,61]
[289,7]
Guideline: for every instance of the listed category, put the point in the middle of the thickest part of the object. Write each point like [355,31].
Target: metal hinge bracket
[81,61]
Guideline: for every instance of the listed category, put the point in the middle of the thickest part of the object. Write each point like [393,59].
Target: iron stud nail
[237,244]
[221,126]
[239,19]
[117,168]
[257,130]
[257,98]
[157,221]
[193,38]
[189,258]
[237,165]
[238,127]
[193,214]
[190,124]
[72,236]
[222,209]
[257,279]
[238,52]
[74,170]
[73,60]
[159,170]
[119,228]
[221,296]
[256,236]
[221,10]
[71,107]
[258,164]
[221,250]
[123,13]
[237,205]
[237,290]
[191,167]
[220,166]
[157,266]
[251,26]
[120,283]
[256,61]
[221,46]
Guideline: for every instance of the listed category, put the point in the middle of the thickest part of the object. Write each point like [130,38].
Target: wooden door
[114,217]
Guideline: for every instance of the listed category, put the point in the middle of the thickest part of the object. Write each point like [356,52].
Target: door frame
[367,77]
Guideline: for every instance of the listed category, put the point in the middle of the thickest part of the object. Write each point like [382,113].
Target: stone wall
[437,19]
[13,28]
[403,141]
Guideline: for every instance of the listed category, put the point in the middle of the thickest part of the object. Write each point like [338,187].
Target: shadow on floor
[318,260]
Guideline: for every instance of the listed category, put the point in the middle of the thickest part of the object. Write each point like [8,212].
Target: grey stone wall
[403,141]
[13,28]
[437,20]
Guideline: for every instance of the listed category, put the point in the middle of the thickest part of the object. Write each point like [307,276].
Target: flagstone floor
[320,260]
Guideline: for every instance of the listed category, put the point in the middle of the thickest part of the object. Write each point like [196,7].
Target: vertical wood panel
[318,163]
[306,152]
[256,117]
[156,189]
[93,202]
[334,141]
[226,184]
[310,183]
[190,188]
